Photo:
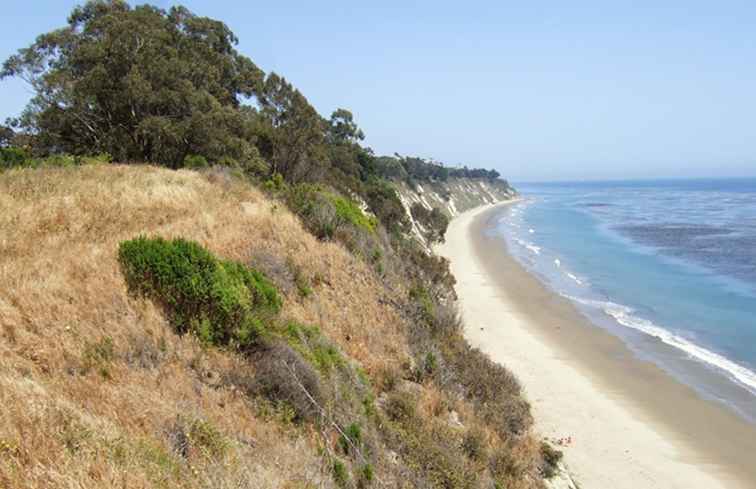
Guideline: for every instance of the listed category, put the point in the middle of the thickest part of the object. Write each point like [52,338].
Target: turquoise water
[668,266]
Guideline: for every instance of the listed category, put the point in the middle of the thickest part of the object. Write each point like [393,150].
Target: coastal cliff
[345,371]
[452,197]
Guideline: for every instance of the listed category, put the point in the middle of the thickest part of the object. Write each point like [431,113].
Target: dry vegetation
[97,390]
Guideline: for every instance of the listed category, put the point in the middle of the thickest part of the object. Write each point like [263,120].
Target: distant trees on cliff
[165,86]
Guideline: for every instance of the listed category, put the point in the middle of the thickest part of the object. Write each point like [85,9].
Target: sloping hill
[98,390]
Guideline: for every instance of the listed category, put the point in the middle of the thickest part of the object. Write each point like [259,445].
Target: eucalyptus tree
[140,83]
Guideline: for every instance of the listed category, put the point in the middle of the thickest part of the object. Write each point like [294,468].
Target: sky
[539,90]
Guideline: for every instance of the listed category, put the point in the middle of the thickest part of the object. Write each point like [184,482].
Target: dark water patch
[671,235]
[597,204]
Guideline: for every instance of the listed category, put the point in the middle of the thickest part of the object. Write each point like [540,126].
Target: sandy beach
[631,425]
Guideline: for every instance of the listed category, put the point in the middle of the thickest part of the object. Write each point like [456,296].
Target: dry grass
[72,419]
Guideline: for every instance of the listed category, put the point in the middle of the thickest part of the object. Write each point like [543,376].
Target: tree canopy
[139,83]
[168,87]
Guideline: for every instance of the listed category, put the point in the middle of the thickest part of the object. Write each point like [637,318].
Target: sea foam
[625,317]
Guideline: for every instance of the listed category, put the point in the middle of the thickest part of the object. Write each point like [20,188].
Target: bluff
[360,377]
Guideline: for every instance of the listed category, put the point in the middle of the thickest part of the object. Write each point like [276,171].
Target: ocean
[669,266]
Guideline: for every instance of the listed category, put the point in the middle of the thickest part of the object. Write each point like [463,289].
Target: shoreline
[632,425]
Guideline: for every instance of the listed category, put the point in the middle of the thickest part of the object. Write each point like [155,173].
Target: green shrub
[367,473]
[352,436]
[340,474]
[16,157]
[324,212]
[313,346]
[222,302]
[347,211]
[195,162]
[12,156]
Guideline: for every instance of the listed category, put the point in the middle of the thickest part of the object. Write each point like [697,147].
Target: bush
[312,346]
[187,435]
[550,457]
[400,407]
[434,221]
[492,388]
[324,212]
[352,436]
[10,157]
[474,444]
[98,356]
[385,203]
[283,376]
[195,162]
[348,212]
[340,474]
[222,302]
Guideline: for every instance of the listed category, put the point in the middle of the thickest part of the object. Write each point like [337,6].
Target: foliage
[6,136]
[309,342]
[98,356]
[551,458]
[283,376]
[195,162]
[340,474]
[413,169]
[139,83]
[12,157]
[222,302]
[293,135]
[474,444]
[434,221]
[324,212]
[386,205]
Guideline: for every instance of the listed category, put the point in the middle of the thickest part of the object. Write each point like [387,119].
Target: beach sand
[632,425]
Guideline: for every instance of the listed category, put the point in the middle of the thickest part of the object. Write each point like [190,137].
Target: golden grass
[71,418]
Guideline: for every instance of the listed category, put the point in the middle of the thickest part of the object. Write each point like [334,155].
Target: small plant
[310,343]
[300,280]
[352,436]
[275,183]
[206,437]
[98,355]
[195,162]
[194,435]
[366,475]
[340,474]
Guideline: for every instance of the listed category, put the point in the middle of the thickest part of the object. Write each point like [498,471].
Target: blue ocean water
[668,262]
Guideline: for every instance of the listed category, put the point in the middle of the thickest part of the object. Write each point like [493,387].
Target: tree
[6,136]
[342,129]
[294,138]
[139,83]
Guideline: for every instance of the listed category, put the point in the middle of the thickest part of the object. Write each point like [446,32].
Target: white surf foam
[623,315]
[536,250]
[573,277]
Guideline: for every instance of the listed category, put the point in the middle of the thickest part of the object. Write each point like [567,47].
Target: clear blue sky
[538,90]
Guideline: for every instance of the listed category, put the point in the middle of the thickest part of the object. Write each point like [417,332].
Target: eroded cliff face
[454,196]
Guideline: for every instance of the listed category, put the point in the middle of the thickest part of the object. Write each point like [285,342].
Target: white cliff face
[453,197]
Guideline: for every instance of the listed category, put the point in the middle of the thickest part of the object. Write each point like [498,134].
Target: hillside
[99,388]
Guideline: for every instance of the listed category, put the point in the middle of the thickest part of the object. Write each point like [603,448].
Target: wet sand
[632,425]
